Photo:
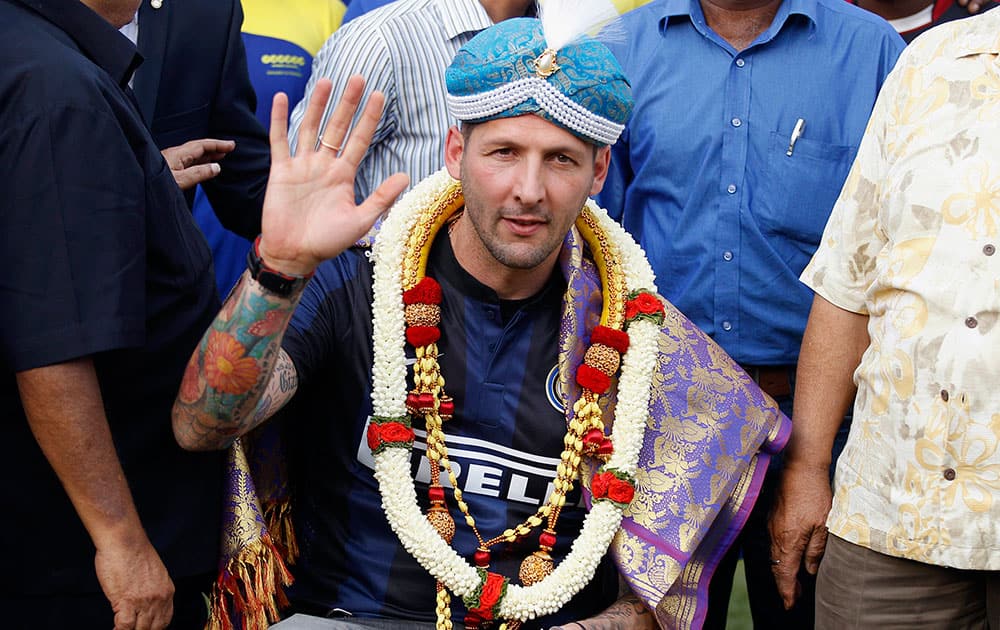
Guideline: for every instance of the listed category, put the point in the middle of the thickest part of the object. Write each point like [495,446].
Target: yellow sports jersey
[281,37]
[628,5]
[304,23]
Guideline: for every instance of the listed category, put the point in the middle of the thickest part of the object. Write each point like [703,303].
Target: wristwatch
[278,283]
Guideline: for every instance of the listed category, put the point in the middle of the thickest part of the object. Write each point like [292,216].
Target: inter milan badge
[553,390]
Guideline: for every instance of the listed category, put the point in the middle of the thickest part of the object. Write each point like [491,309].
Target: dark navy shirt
[701,176]
[101,259]
[499,363]
[944,11]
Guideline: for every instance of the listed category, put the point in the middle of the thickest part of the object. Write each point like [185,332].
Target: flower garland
[400,257]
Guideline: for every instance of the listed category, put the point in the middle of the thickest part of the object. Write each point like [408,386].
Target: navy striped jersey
[498,360]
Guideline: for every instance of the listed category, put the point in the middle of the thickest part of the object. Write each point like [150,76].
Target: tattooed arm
[238,375]
[628,613]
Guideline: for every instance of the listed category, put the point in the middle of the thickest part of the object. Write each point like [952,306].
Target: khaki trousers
[861,588]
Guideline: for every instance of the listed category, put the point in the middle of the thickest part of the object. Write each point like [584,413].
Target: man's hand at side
[135,582]
[798,527]
[65,411]
[196,161]
[832,346]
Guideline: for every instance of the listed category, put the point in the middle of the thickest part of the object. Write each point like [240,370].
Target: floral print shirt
[912,243]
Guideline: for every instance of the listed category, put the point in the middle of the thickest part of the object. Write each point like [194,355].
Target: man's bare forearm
[65,411]
[310,215]
[832,346]
[238,376]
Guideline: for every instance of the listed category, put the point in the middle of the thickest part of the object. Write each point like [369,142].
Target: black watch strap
[274,281]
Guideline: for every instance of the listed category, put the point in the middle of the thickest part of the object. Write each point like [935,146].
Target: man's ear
[454,147]
[602,161]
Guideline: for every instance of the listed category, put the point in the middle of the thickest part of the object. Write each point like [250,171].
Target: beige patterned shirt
[913,243]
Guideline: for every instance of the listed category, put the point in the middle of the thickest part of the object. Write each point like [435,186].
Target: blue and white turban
[510,70]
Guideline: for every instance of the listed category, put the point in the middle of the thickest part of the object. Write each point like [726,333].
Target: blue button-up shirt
[702,176]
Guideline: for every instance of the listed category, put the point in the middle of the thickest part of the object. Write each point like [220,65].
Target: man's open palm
[310,213]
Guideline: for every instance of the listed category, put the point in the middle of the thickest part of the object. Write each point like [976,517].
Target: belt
[775,380]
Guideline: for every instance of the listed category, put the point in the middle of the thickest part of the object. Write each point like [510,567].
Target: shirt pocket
[801,189]
[176,129]
[177,251]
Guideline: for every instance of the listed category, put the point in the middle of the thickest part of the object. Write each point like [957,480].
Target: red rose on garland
[484,601]
[613,485]
[620,491]
[599,484]
[374,440]
[395,432]
[642,304]
[388,434]
[492,591]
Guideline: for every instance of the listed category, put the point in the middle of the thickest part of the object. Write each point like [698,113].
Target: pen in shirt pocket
[800,126]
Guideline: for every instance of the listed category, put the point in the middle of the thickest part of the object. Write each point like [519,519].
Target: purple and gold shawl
[710,436]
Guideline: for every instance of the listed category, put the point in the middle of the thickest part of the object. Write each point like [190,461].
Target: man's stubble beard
[510,255]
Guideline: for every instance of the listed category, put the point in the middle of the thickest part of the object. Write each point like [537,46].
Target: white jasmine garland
[388,366]
[392,465]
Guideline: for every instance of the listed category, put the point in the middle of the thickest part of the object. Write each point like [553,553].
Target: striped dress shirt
[401,49]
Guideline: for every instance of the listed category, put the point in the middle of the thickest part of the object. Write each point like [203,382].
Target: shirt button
[944,395]
[971,322]
[727,256]
[736,122]
[727,326]
[740,63]
[949,474]
[731,188]
[989,249]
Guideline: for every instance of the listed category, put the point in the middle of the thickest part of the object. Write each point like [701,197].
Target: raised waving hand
[238,376]
[310,213]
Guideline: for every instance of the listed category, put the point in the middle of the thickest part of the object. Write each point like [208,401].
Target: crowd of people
[679,282]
